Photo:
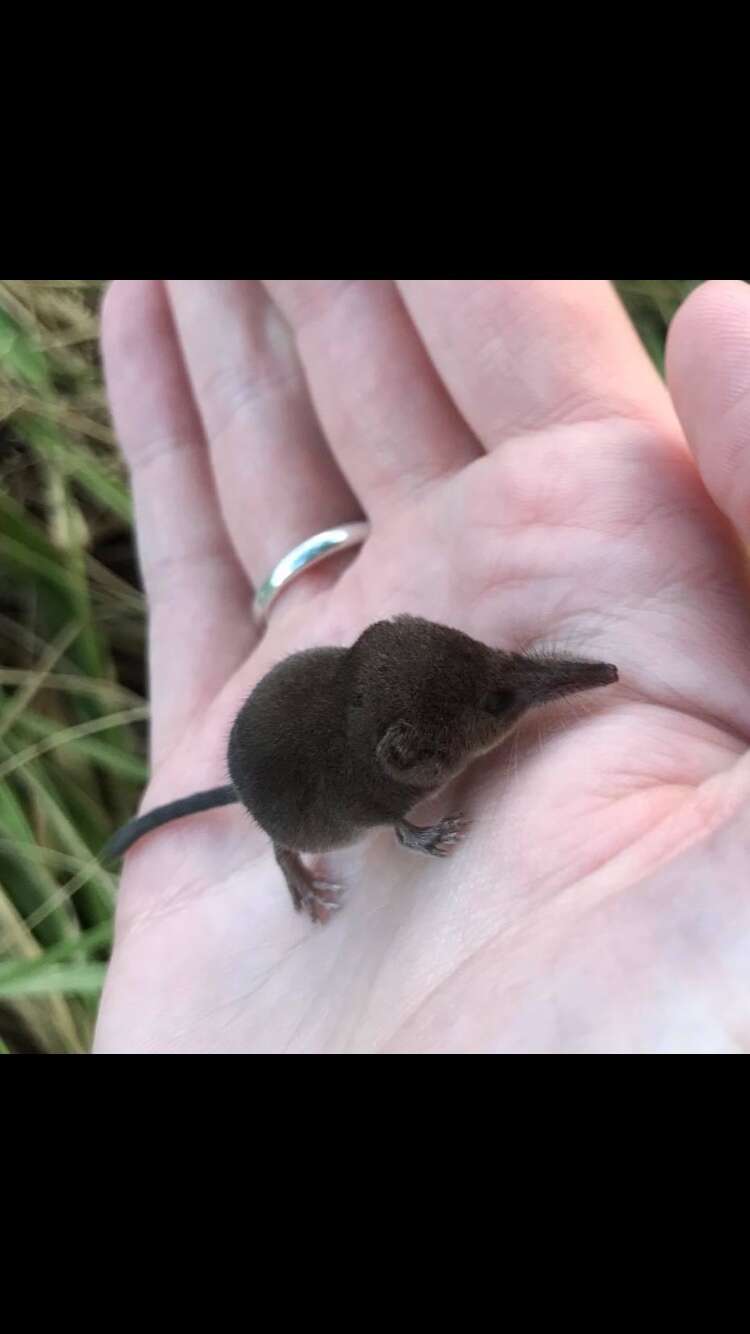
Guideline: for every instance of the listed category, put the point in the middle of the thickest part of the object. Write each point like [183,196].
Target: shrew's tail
[174,810]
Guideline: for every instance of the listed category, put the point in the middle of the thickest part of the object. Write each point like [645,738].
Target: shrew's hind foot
[318,898]
[438,840]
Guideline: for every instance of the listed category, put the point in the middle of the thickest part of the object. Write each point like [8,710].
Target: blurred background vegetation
[73,713]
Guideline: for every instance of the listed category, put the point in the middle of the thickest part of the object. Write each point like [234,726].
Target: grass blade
[50,979]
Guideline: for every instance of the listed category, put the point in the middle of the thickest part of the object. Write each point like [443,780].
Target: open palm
[528,481]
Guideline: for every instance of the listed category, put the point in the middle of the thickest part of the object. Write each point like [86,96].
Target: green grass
[72,712]
[72,708]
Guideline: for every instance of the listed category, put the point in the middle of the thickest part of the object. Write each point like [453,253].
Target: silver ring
[303,557]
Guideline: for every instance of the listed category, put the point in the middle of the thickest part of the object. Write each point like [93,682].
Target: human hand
[528,481]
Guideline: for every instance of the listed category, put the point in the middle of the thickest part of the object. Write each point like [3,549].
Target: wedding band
[303,557]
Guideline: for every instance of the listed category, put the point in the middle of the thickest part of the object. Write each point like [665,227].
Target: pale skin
[531,481]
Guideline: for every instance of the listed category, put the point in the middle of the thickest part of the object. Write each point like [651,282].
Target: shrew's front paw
[437,840]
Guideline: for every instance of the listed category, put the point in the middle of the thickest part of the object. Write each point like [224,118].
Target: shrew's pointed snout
[556,677]
[594,674]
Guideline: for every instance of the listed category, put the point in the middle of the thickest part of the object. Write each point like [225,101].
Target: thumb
[708,372]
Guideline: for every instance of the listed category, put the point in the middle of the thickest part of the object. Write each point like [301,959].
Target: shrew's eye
[498,702]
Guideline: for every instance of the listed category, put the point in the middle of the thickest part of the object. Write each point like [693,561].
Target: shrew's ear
[403,753]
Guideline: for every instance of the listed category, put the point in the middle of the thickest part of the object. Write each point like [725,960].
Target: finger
[277,481]
[387,417]
[520,356]
[199,599]
[708,371]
